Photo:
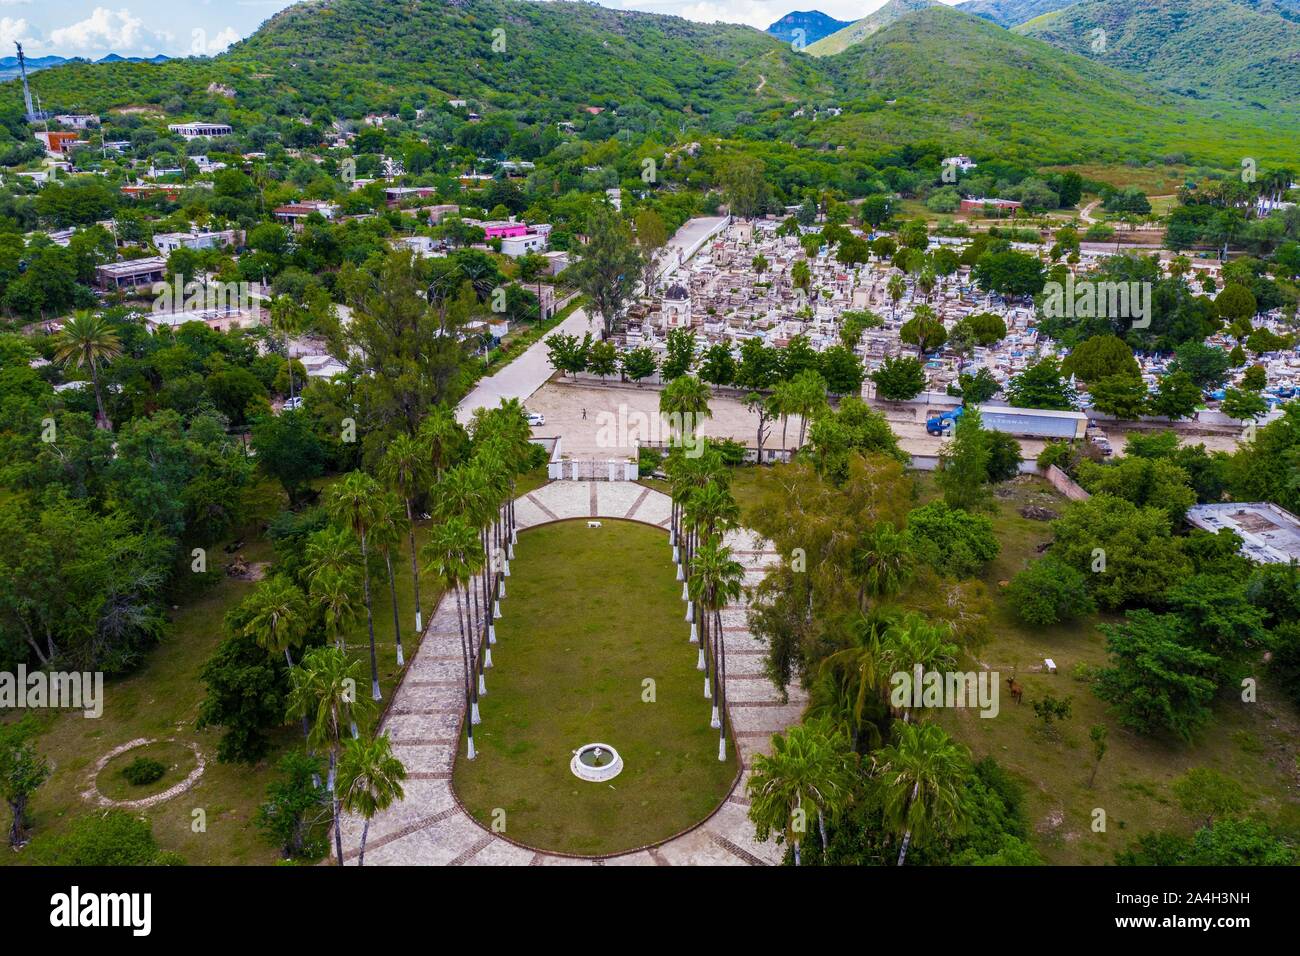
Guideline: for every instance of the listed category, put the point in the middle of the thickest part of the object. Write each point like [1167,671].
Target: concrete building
[77,120]
[169,242]
[199,130]
[219,320]
[131,274]
[1269,534]
[294,213]
[57,143]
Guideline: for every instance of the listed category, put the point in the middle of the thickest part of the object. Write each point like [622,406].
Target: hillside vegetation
[1208,49]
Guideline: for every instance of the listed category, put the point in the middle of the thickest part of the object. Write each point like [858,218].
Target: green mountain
[813,23]
[1007,13]
[965,82]
[550,57]
[859,30]
[932,75]
[1207,49]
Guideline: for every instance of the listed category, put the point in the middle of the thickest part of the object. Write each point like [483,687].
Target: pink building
[504,230]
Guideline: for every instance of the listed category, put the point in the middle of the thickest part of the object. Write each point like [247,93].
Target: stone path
[429,828]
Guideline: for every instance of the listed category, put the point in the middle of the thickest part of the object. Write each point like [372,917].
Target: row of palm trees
[852,726]
[468,481]
[702,512]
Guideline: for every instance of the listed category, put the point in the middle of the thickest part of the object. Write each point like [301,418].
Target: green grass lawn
[161,700]
[1256,743]
[592,614]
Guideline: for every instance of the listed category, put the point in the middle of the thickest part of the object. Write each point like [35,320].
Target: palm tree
[688,398]
[277,616]
[922,774]
[331,549]
[323,692]
[405,468]
[716,581]
[896,286]
[351,501]
[882,562]
[335,592]
[808,397]
[912,642]
[855,680]
[442,439]
[784,403]
[370,779]
[89,340]
[453,555]
[287,319]
[811,769]
[385,534]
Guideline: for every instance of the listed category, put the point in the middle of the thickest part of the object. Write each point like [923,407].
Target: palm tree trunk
[907,836]
[365,832]
[465,660]
[392,593]
[415,568]
[334,804]
[370,621]
[821,829]
[103,421]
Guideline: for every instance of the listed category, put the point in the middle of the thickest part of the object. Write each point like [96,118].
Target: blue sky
[92,28]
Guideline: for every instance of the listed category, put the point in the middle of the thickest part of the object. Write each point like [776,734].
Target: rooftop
[1270,535]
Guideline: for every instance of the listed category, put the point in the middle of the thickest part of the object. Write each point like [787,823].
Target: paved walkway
[429,828]
[525,374]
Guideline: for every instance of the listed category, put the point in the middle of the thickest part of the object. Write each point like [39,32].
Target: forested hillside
[1208,49]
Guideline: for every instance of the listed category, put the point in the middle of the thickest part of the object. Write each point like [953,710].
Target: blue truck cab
[942,423]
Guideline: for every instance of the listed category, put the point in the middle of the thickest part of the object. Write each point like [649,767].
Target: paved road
[529,371]
[524,375]
[429,827]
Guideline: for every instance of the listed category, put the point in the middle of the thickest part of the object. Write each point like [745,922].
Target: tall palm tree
[785,403]
[406,469]
[453,555]
[922,774]
[687,397]
[89,341]
[386,535]
[278,618]
[323,692]
[811,770]
[911,642]
[882,563]
[896,286]
[443,440]
[332,549]
[351,501]
[370,779]
[334,591]
[463,493]
[716,581]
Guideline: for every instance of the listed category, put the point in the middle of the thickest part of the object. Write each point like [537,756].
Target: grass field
[1256,744]
[161,701]
[592,614]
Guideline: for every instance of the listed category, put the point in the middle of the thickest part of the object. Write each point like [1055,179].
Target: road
[524,375]
[530,370]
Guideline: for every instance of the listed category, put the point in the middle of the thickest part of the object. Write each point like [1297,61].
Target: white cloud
[106,30]
[12,31]
[222,40]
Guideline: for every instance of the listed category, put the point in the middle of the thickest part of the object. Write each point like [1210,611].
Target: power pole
[27,93]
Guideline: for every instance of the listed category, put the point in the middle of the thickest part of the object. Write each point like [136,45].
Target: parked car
[293,404]
[536,418]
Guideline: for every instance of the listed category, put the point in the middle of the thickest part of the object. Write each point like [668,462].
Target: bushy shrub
[143,770]
[950,540]
[113,838]
[1049,592]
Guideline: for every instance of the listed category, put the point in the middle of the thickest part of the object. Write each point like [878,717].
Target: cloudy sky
[92,28]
